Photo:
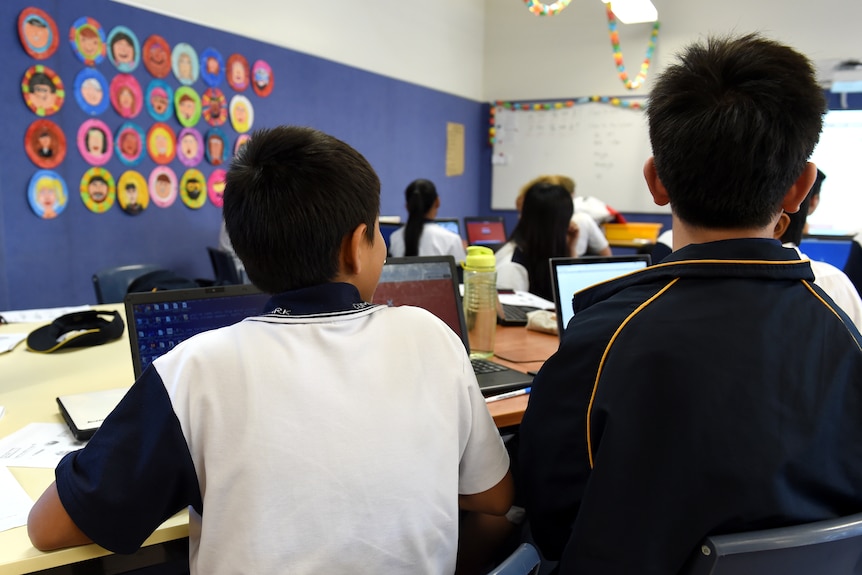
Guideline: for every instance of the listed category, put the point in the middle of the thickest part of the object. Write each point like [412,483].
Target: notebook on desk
[430,282]
[570,275]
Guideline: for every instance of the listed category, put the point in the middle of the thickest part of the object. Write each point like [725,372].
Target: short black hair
[732,125]
[292,195]
[794,230]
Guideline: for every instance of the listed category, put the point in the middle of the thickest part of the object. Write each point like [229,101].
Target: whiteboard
[602,147]
[837,155]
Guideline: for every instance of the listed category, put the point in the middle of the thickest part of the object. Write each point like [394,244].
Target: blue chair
[112,284]
[523,561]
[829,547]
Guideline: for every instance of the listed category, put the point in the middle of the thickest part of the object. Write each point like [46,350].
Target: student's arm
[50,527]
[495,501]
[605,252]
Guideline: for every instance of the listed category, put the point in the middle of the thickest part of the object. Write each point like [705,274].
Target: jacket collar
[326,299]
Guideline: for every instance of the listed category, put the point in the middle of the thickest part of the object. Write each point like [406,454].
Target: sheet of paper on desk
[15,504]
[38,445]
[524,298]
[8,341]
[38,315]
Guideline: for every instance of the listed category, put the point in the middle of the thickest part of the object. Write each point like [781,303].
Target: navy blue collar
[320,299]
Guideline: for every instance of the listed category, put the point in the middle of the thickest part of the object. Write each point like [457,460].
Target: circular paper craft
[157,56]
[132,193]
[129,142]
[241,141]
[184,61]
[124,51]
[215,187]
[97,190]
[43,90]
[212,67]
[160,100]
[95,142]
[216,146]
[192,188]
[237,72]
[241,113]
[187,104]
[261,78]
[47,194]
[45,143]
[38,33]
[190,147]
[91,91]
[126,95]
[161,143]
[214,106]
[163,186]
[88,41]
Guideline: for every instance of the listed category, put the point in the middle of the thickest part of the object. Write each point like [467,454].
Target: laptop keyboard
[485,366]
[515,314]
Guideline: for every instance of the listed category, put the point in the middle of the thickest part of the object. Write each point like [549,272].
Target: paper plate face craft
[47,194]
[184,61]
[97,190]
[124,51]
[212,67]
[161,143]
[132,193]
[95,142]
[160,100]
[190,147]
[192,189]
[129,141]
[88,41]
[126,95]
[163,186]
[43,90]
[45,144]
[187,104]
[241,113]
[216,147]
[156,55]
[237,72]
[215,187]
[241,141]
[261,78]
[38,33]
[214,106]
[91,91]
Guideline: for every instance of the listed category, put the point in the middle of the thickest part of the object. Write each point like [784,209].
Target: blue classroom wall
[399,127]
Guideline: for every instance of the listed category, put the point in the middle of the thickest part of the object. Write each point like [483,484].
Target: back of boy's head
[795,228]
[732,126]
[292,195]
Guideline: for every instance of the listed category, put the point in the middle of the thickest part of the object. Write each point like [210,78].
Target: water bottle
[480,300]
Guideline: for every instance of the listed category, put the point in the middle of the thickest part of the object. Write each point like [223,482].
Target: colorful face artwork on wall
[241,141]
[212,67]
[193,188]
[129,142]
[187,104]
[160,100]
[38,33]
[88,41]
[241,113]
[184,61]
[91,91]
[126,95]
[95,142]
[43,90]
[47,194]
[261,78]
[97,190]
[124,51]
[214,105]
[132,193]
[215,187]
[163,186]
[216,147]
[161,143]
[45,144]
[156,55]
[190,147]
[237,72]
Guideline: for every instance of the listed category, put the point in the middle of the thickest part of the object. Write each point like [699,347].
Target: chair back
[224,267]
[523,561]
[111,284]
[829,547]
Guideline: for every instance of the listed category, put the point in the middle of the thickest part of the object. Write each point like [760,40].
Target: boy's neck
[685,233]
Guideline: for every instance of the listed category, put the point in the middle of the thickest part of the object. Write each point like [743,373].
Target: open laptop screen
[485,231]
[451,224]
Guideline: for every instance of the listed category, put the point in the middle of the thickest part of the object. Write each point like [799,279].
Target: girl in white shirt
[420,236]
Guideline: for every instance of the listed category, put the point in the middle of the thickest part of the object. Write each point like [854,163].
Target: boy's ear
[799,190]
[656,188]
[781,226]
[351,250]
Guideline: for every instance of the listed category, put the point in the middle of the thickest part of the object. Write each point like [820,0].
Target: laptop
[431,282]
[489,231]
[570,275]
[158,321]
[451,224]
[85,412]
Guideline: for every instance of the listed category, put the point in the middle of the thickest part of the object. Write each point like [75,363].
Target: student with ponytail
[421,236]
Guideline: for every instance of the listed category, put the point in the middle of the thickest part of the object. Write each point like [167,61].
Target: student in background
[325,435]
[544,231]
[591,239]
[719,391]
[833,281]
[420,236]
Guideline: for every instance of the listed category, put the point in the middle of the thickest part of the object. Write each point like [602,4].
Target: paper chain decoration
[618,55]
[539,9]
